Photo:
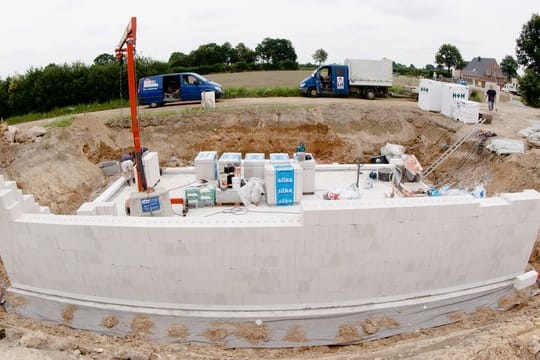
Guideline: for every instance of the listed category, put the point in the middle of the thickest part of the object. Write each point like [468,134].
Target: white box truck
[367,78]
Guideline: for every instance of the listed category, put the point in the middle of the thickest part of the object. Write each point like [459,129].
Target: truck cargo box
[370,72]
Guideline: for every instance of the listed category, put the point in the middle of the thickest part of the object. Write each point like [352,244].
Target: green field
[282,78]
[242,84]
[260,79]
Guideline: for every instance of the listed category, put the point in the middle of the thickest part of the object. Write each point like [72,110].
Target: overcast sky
[35,33]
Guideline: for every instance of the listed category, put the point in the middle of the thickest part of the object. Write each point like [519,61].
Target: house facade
[481,70]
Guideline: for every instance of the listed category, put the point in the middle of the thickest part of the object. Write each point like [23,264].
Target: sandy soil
[60,170]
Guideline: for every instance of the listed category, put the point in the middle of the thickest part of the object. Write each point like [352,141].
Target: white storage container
[450,93]
[226,158]
[208,99]
[206,165]
[283,184]
[429,95]
[466,111]
[253,165]
[279,158]
[308,173]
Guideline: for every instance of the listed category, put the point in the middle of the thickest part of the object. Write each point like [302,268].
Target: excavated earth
[60,170]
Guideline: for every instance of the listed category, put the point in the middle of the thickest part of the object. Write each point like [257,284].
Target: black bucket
[385,174]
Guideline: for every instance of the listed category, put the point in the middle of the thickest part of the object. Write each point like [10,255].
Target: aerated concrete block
[29,204]
[7,198]
[15,210]
[88,208]
[524,280]
[106,208]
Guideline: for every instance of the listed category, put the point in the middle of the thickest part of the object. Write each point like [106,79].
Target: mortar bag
[245,193]
[257,190]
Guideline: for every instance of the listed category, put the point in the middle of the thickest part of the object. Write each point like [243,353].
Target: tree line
[56,86]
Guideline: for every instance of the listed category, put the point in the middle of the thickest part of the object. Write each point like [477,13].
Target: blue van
[161,89]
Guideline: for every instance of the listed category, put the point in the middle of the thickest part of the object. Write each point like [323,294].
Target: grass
[68,110]
[231,93]
[61,123]
[237,85]
[476,95]
[260,79]
[406,81]
[397,89]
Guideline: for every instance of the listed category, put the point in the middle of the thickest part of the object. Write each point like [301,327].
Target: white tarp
[466,111]
[429,95]
[450,93]
[506,146]
[528,131]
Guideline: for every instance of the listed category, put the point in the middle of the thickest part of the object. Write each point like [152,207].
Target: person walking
[126,164]
[491,95]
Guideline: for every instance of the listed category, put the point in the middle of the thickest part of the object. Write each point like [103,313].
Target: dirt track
[60,170]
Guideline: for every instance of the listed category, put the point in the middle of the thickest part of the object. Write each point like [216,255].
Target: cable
[242,210]
[235,210]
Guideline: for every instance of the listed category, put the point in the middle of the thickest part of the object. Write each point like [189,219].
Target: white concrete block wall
[341,251]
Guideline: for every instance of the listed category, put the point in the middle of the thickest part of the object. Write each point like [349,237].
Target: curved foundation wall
[332,257]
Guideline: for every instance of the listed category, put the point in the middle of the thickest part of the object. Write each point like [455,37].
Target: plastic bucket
[208,99]
[110,167]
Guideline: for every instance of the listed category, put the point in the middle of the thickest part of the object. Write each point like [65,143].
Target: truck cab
[327,80]
[161,89]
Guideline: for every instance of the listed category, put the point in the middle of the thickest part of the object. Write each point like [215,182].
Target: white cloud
[36,33]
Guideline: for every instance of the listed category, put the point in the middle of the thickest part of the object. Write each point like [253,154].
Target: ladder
[453,148]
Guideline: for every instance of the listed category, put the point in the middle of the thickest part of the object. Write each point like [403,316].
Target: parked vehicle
[160,89]
[512,88]
[367,78]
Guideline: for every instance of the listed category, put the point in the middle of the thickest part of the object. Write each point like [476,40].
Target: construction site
[60,168]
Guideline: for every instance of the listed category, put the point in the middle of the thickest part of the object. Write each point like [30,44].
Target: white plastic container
[206,165]
[208,99]
[279,158]
[429,95]
[283,184]
[450,93]
[253,165]
[226,158]
[466,111]
[308,173]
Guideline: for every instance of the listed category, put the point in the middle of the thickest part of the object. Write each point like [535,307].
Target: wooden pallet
[229,204]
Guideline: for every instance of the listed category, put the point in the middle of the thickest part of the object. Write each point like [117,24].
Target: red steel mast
[128,39]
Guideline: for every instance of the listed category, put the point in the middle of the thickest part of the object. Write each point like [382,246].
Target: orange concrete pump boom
[126,45]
